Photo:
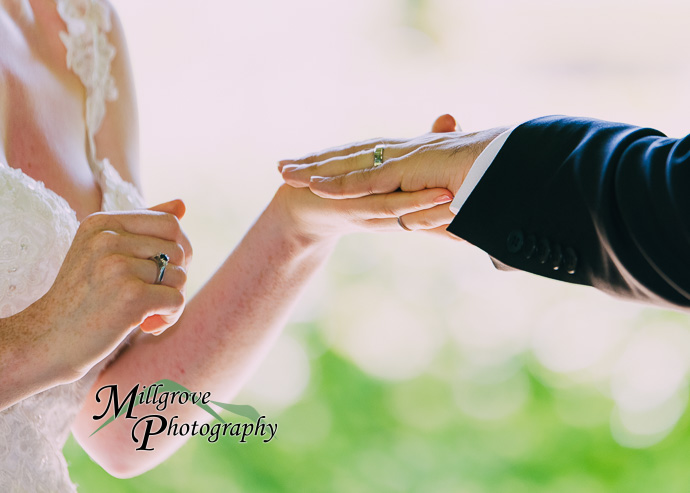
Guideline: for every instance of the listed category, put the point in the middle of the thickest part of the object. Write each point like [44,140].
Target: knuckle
[133,293]
[425,222]
[188,251]
[363,179]
[178,252]
[417,205]
[114,267]
[176,230]
[169,225]
[388,207]
[172,222]
[177,300]
[104,241]
[182,275]
[94,221]
[309,159]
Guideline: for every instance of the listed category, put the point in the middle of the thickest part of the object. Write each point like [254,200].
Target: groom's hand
[295,170]
[440,159]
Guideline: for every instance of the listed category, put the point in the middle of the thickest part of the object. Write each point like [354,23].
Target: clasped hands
[437,161]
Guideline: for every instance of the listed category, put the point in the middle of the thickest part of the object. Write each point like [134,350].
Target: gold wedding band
[402,225]
[378,155]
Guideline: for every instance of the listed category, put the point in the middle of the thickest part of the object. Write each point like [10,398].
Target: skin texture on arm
[121,122]
[224,333]
[21,342]
[229,325]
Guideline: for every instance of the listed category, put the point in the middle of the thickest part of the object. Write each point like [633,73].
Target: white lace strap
[89,55]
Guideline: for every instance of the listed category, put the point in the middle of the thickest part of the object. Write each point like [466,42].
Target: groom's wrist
[480,154]
[483,140]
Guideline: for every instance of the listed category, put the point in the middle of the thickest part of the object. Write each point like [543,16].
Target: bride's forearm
[28,364]
[225,331]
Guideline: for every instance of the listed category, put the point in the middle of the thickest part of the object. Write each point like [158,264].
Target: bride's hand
[312,218]
[105,287]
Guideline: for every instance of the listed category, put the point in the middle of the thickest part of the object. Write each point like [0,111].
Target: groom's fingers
[362,153]
[300,175]
[443,124]
[345,150]
[384,179]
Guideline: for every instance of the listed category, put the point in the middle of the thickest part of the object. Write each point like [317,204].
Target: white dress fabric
[36,229]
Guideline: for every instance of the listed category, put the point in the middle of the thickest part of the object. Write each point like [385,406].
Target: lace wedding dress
[36,229]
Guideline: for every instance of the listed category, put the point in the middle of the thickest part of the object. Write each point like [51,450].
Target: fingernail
[318,179]
[282,163]
[443,199]
[290,168]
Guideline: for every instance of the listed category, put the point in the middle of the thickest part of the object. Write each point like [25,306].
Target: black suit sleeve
[589,202]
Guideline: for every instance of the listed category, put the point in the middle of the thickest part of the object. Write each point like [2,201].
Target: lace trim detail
[89,54]
[118,194]
[37,227]
[35,235]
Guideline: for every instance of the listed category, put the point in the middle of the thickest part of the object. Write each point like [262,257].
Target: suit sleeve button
[515,241]
[556,257]
[570,261]
[543,250]
[530,246]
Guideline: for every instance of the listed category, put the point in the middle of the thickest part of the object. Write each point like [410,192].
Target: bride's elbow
[124,467]
[118,459]
[114,450]
[120,471]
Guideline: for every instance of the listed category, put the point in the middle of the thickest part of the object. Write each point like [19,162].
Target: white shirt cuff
[481,164]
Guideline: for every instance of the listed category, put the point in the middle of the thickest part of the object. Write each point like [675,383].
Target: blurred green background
[410,364]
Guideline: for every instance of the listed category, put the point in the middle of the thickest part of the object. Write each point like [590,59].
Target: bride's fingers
[435,219]
[175,207]
[155,324]
[428,219]
[393,225]
[394,204]
[445,123]
[147,270]
[442,230]
[144,247]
